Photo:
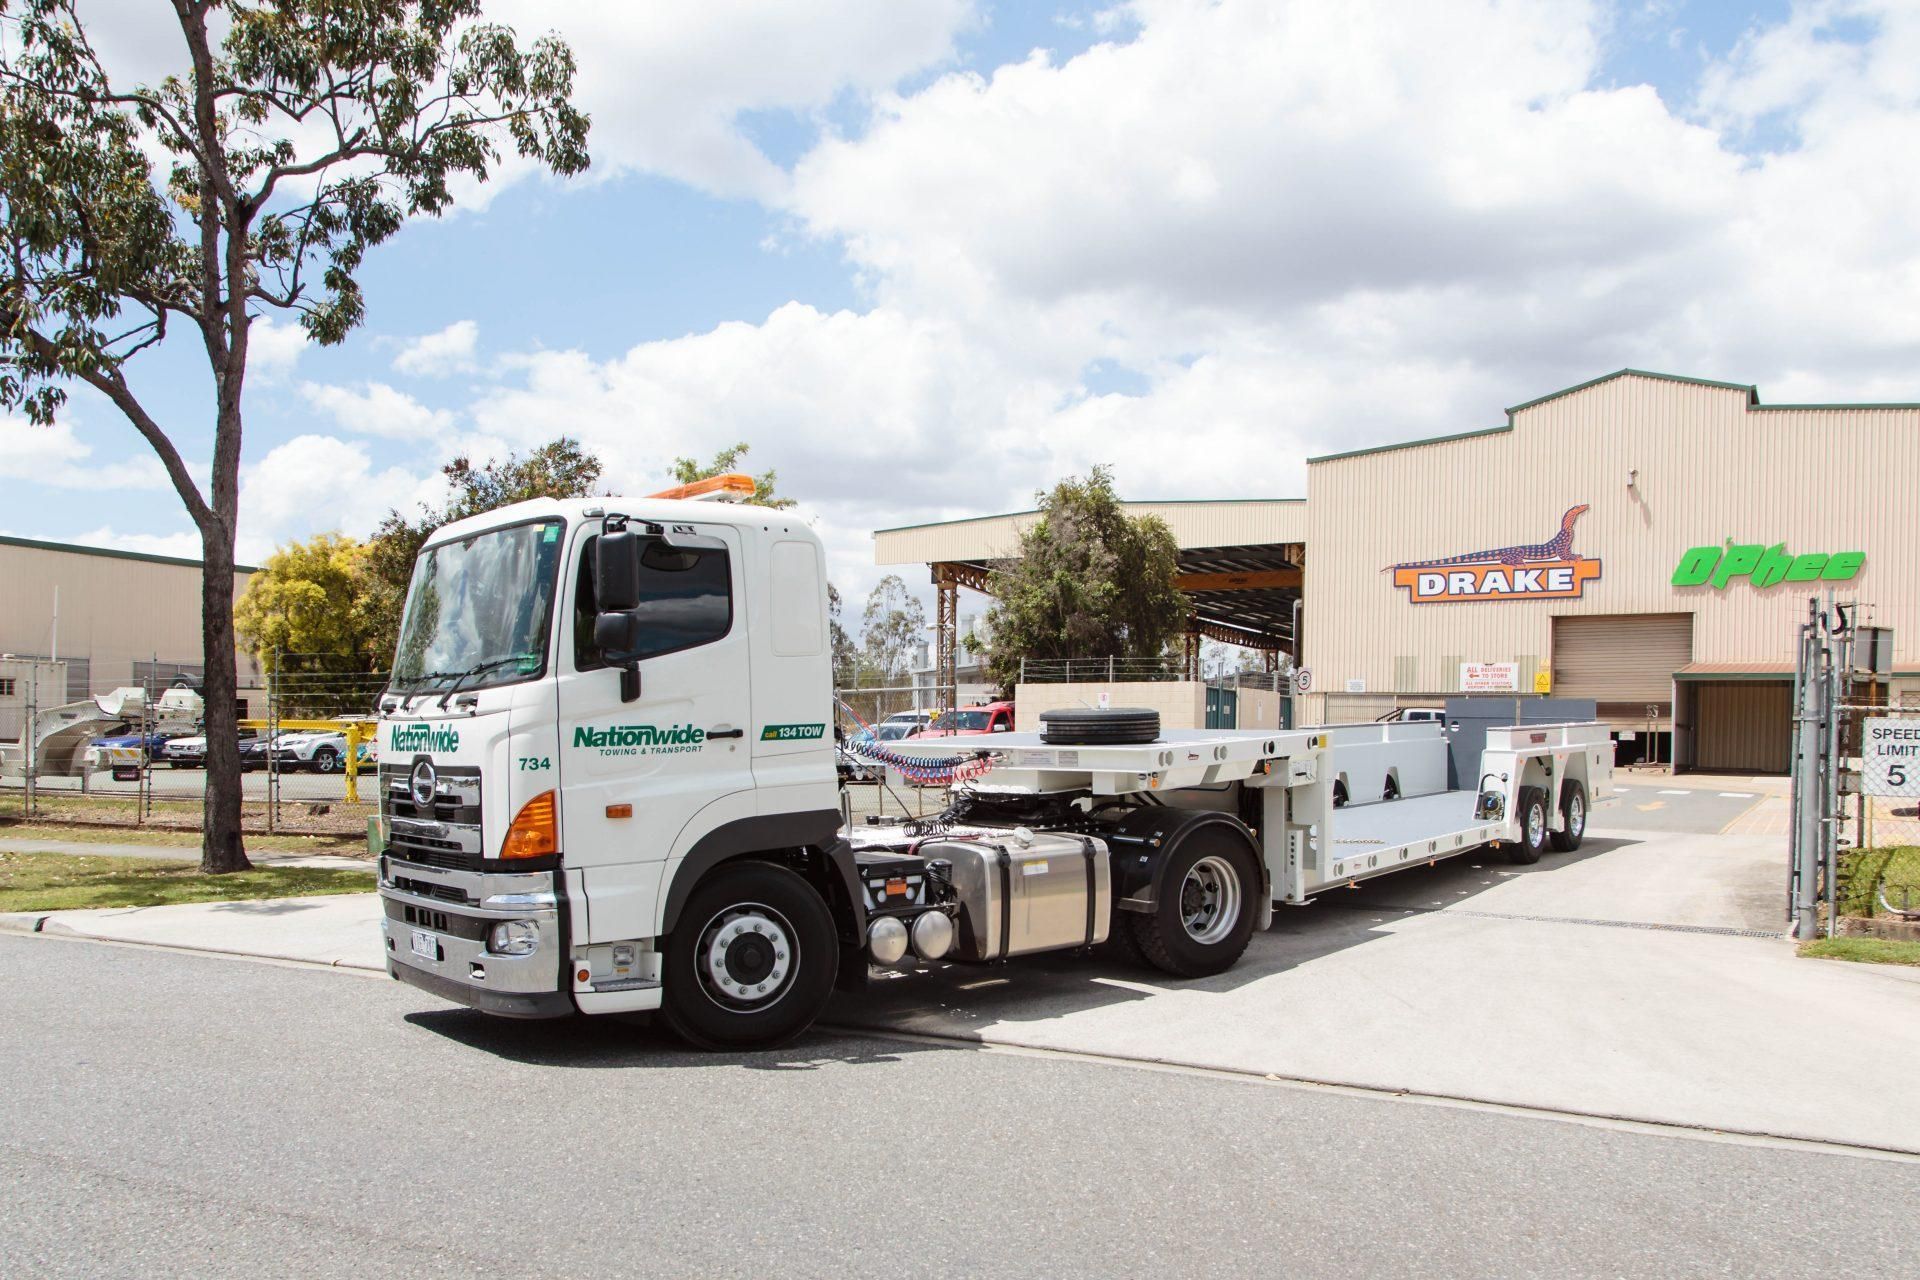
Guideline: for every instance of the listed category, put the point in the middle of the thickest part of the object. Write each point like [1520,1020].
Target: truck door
[634,774]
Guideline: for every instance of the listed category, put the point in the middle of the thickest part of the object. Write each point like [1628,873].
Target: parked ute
[969,722]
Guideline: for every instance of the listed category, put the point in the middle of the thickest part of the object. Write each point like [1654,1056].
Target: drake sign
[1526,571]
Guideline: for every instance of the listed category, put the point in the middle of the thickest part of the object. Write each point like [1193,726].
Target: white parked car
[318,750]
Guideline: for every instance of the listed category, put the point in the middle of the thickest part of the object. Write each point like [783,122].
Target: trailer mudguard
[1142,842]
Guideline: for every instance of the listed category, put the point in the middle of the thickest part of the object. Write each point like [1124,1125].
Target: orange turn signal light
[535,832]
[619,811]
[897,887]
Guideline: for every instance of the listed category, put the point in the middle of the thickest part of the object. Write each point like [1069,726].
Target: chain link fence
[1878,872]
[134,755]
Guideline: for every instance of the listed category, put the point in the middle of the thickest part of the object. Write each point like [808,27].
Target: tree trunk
[222,848]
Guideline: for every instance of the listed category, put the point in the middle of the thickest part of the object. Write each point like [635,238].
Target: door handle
[726,733]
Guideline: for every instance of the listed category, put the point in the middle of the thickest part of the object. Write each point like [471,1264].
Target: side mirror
[616,572]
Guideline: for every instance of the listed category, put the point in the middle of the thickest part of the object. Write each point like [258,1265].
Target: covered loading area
[1242,565]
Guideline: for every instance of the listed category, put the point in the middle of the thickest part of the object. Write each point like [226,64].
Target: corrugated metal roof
[1236,522]
[75,548]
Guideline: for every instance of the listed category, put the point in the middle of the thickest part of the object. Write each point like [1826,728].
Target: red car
[968,722]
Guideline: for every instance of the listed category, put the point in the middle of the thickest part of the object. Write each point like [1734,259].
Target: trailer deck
[1371,839]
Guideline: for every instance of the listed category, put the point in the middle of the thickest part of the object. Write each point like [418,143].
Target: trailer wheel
[752,961]
[1573,813]
[1204,917]
[1531,809]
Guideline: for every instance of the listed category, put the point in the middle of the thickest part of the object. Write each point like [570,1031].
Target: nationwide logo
[424,737]
[1529,571]
[639,739]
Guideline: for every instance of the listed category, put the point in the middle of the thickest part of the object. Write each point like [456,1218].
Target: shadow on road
[963,1000]
[629,1043]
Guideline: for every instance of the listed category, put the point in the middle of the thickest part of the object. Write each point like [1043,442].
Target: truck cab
[557,777]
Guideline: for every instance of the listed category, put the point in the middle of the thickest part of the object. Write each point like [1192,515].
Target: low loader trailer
[608,785]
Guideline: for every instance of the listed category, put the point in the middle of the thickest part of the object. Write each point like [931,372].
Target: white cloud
[435,355]
[54,455]
[274,347]
[379,410]
[185,545]
[314,483]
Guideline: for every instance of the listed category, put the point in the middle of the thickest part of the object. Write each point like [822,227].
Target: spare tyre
[1100,727]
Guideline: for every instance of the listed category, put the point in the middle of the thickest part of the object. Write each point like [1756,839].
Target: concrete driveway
[1641,978]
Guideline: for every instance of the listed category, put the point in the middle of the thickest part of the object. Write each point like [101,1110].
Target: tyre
[1573,812]
[1206,909]
[1531,809]
[326,760]
[1096,727]
[1339,794]
[752,960]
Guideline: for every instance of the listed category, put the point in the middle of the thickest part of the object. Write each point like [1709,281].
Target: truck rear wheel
[1530,808]
[751,962]
[1204,917]
[1573,816]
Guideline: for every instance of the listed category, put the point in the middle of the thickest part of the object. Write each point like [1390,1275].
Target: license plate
[425,945]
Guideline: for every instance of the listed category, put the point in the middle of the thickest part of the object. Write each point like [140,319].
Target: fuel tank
[1023,891]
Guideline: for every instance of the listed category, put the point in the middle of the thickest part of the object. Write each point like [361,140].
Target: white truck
[607,785]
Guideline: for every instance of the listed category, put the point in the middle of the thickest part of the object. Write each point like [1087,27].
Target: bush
[1863,871]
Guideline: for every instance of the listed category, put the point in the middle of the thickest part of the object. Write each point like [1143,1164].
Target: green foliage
[306,601]
[845,655]
[304,137]
[891,628]
[558,469]
[1863,872]
[686,471]
[1090,582]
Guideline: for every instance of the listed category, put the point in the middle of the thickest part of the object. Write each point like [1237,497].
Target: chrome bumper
[462,968]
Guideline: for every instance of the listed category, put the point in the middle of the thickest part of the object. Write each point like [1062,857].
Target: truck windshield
[478,610]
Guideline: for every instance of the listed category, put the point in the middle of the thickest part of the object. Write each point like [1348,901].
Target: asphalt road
[168,1113]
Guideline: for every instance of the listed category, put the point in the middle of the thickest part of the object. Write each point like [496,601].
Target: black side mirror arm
[630,681]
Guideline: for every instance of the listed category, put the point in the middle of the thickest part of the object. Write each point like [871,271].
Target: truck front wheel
[751,962]
[1204,917]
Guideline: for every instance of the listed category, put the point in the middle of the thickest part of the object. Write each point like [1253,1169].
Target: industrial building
[110,618]
[1647,541]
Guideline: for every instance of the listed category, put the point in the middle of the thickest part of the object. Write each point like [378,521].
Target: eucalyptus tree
[292,137]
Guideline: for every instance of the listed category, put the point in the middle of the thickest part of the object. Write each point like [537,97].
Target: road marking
[1650,807]
[1676,793]
[1736,795]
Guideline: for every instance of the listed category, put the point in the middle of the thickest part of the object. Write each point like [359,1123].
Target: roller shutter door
[1623,662]
[1743,726]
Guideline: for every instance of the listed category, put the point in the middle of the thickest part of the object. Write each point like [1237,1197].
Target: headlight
[514,938]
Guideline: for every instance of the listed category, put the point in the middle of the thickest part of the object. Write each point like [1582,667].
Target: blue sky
[1271,236]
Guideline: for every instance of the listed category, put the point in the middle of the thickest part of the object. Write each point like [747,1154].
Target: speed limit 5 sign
[1890,756]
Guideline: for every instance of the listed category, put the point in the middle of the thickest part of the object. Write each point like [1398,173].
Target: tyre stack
[1100,727]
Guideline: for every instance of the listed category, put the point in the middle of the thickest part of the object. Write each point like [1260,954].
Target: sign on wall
[1890,756]
[1489,677]
[1525,571]
[1763,567]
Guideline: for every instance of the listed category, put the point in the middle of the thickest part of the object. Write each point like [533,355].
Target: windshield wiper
[479,668]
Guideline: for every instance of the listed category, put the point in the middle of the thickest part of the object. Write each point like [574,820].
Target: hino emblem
[422,782]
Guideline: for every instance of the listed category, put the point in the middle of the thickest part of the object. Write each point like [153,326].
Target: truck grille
[444,834]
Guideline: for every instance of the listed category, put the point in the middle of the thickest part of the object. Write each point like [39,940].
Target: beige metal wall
[1709,468]
[115,610]
[1182,704]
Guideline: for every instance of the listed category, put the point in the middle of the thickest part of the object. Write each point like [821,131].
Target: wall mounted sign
[1763,567]
[1527,571]
[1489,677]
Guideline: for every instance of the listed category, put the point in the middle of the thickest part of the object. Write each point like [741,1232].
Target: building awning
[1735,671]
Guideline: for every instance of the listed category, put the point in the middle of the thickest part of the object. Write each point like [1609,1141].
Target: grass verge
[1863,950]
[89,833]
[64,882]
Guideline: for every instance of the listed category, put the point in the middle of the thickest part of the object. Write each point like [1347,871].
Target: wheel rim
[1536,824]
[747,957]
[1577,815]
[1210,900]
[326,761]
